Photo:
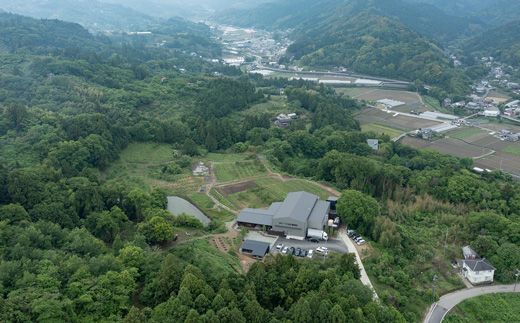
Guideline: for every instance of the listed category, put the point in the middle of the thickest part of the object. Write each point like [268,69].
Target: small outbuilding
[255,249]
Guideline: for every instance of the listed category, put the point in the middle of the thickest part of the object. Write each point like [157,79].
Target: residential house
[478,271]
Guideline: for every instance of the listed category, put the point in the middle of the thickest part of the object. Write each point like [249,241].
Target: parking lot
[334,245]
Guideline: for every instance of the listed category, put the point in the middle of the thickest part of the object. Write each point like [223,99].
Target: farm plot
[449,146]
[262,192]
[468,134]
[501,161]
[226,172]
[411,99]
[380,130]
[393,120]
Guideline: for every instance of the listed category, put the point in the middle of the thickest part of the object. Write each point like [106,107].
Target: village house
[475,269]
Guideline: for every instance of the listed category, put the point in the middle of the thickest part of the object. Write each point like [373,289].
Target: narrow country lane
[439,310]
[352,249]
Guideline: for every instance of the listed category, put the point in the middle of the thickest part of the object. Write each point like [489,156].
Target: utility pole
[433,287]
[516,278]
[446,241]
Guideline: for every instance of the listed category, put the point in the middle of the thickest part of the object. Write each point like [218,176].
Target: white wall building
[478,271]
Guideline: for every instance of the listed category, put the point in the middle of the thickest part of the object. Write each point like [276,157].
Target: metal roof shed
[257,249]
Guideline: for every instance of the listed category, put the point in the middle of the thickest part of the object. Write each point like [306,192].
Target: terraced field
[262,192]
[233,171]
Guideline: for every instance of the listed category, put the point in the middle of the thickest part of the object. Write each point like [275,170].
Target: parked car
[291,250]
[279,246]
[309,254]
[304,253]
[297,252]
[360,242]
[350,233]
[284,250]
[322,249]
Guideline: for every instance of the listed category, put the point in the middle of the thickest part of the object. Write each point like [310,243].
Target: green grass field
[269,190]
[226,172]
[487,308]
[512,149]
[380,129]
[277,104]
[465,133]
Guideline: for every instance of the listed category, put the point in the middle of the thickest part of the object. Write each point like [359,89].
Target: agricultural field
[480,144]
[449,146]
[141,164]
[392,120]
[381,130]
[412,99]
[467,134]
[262,192]
[487,308]
[232,171]
[498,96]
[276,105]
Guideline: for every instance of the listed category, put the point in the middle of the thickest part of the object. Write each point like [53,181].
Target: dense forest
[75,246]
[501,43]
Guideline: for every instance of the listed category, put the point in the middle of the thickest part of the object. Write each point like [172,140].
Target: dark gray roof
[257,248]
[256,216]
[478,264]
[319,215]
[297,205]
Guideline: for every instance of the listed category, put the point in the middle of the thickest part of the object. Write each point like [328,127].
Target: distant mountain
[502,43]
[45,36]
[423,18]
[388,38]
[488,12]
[92,14]
[182,8]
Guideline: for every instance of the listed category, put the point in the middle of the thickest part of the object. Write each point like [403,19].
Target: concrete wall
[290,227]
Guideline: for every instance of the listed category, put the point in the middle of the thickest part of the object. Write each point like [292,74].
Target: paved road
[364,277]
[447,302]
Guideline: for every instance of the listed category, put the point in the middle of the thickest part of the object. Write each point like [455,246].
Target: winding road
[352,249]
[439,310]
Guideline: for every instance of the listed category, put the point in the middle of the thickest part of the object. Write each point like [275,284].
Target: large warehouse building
[299,212]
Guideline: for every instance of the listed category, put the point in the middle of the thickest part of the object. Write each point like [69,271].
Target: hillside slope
[92,14]
[502,42]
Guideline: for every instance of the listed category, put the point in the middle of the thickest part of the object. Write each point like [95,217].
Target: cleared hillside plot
[262,192]
[232,171]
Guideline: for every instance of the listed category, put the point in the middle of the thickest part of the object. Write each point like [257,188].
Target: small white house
[478,271]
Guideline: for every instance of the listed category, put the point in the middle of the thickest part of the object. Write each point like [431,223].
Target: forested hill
[502,42]
[93,14]
[371,44]
[384,38]
[423,18]
[19,32]
[489,12]
[78,247]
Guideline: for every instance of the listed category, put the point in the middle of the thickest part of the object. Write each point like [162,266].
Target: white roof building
[389,103]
